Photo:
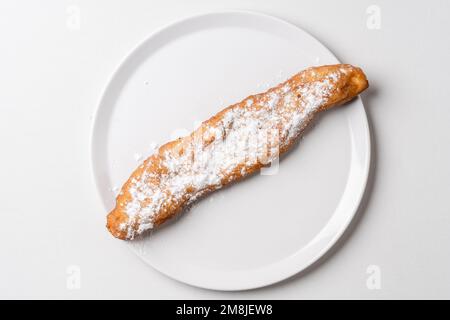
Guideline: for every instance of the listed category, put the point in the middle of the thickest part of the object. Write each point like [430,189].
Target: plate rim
[252,284]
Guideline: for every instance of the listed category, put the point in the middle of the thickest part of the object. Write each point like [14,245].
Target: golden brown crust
[337,83]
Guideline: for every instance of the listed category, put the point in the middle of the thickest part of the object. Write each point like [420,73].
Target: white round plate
[268,227]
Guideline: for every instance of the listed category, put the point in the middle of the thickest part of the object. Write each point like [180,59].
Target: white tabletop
[56,58]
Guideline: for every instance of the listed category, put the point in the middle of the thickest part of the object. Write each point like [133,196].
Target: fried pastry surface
[229,146]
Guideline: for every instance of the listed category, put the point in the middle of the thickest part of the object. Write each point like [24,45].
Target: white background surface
[51,79]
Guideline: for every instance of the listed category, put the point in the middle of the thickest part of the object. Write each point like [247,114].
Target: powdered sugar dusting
[246,134]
